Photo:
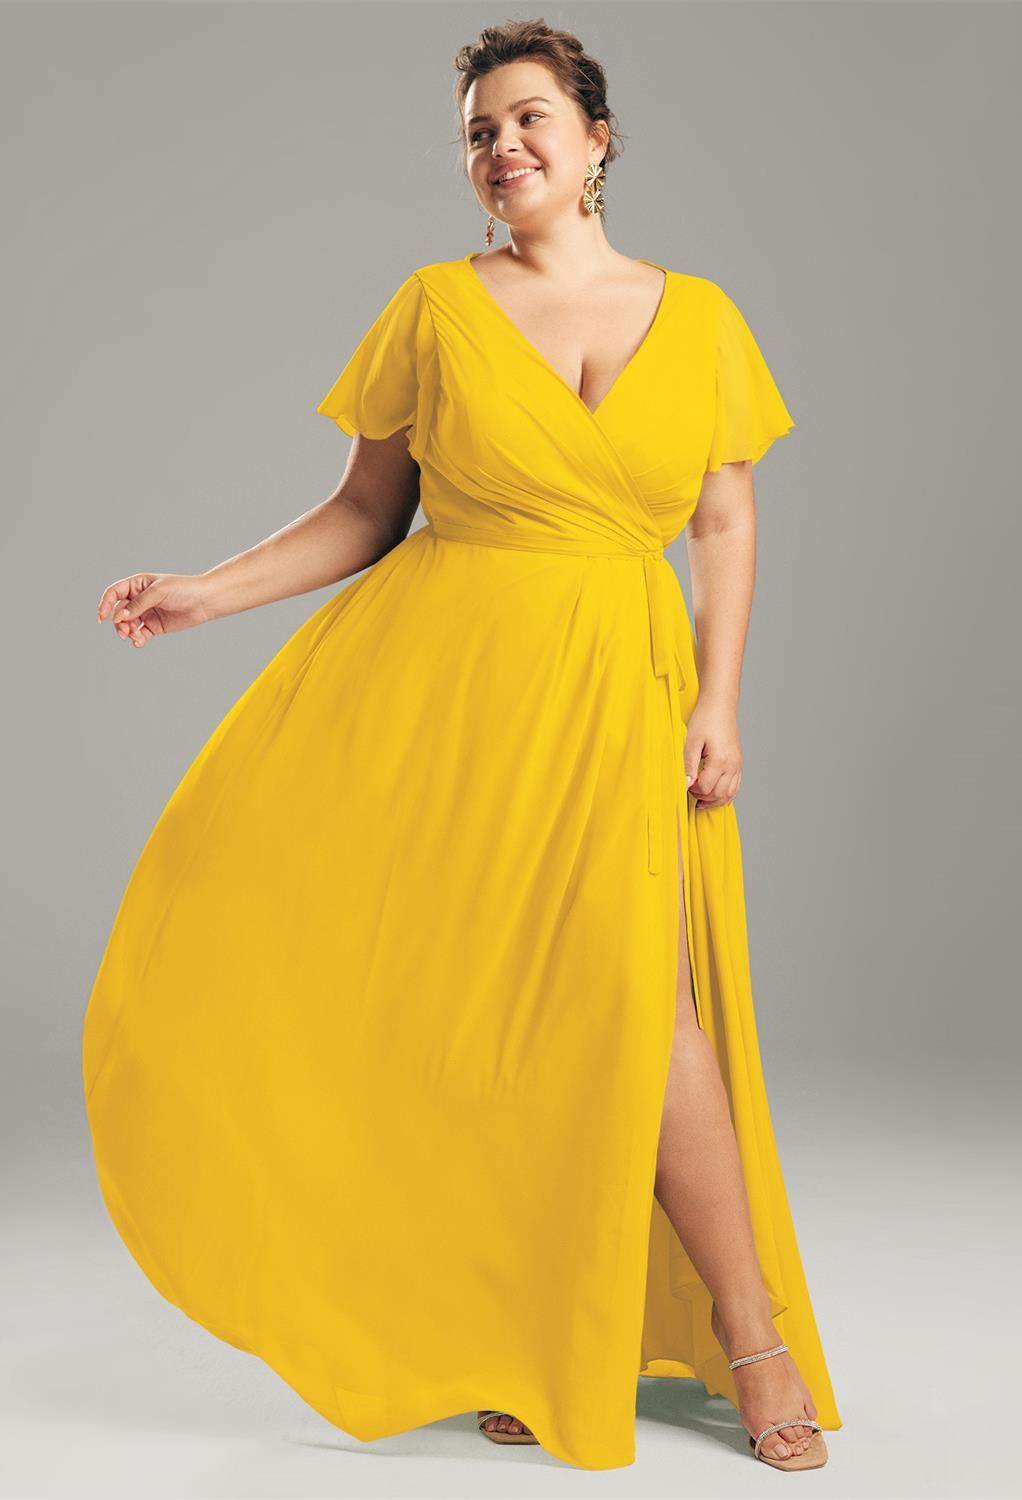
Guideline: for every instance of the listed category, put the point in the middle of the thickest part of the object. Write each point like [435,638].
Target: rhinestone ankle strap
[748,1359]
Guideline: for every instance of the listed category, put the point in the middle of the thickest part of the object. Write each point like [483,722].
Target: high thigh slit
[677,1339]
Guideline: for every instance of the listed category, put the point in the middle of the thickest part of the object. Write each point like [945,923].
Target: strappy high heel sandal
[815,1455]
[505,1437]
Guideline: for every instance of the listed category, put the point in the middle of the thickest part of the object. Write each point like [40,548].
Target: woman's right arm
[368,514]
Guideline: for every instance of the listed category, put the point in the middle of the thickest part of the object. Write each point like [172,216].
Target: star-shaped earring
[592,192]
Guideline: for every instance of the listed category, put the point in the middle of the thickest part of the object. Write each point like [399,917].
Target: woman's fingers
[111,597]
[127,602]
[148,598]
[121,593]
[725,790]
[151,604]
[126,628]
[711,771]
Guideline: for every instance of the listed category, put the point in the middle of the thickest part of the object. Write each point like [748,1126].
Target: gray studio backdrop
[205,206]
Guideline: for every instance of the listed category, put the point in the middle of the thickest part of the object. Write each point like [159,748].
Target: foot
[504,1423]
[769,1389]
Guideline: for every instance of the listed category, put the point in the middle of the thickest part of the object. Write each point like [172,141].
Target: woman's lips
[514,181]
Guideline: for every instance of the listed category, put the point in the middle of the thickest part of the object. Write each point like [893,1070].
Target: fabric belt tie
[664,649]
[666,664]
[661,616]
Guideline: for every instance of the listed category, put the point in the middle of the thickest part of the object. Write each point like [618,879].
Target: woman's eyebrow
[516,105]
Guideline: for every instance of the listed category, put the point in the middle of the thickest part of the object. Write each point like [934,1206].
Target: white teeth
[519,172]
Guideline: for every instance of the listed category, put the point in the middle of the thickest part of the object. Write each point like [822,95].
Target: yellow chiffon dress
[375,1058]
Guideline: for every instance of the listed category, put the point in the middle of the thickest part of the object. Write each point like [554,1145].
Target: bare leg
[700,1186]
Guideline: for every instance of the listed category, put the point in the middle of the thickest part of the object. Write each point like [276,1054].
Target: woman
[412,1059]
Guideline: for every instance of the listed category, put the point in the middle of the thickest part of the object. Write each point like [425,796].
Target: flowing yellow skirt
[375,1058]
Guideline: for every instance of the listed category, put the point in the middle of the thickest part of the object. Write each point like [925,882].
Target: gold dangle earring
[592,192]
[490,223]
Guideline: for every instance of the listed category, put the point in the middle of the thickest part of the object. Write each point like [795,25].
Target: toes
[792,1435]
[798,1437]
[807,1435]
[504,1423]
[791,1440]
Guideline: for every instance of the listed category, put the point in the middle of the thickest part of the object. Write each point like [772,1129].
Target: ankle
[746,1317]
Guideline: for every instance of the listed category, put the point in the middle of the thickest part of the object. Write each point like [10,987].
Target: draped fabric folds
[375,1057]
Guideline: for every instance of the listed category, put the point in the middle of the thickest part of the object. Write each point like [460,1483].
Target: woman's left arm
[721,539]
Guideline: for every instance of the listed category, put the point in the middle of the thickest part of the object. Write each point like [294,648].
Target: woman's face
[517,118]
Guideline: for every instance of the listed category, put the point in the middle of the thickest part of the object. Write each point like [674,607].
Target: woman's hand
[713,754]
[148,604]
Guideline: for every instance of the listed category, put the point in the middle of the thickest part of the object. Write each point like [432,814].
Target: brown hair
[580,76]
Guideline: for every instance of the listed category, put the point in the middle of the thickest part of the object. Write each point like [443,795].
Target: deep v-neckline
[527,342]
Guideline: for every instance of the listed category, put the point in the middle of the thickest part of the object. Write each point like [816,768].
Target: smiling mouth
[517,174]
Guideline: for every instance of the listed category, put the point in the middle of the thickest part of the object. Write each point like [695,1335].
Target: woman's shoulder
[698,286]
[437,271]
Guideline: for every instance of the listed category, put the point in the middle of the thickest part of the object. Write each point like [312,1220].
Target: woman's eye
[529,113]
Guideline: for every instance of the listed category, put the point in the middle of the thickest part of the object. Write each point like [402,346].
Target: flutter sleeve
[750,413]
[380,389]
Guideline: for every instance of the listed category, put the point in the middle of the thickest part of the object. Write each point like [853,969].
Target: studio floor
[900,1206]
